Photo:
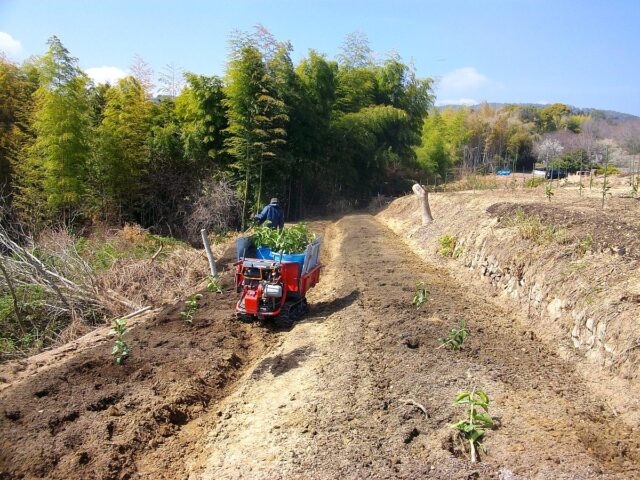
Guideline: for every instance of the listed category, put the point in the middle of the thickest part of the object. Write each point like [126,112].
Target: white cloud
[105,74]
[10,45]
[465,78]
[543,102]
[460,101]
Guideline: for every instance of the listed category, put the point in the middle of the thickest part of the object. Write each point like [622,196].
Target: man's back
[273,214]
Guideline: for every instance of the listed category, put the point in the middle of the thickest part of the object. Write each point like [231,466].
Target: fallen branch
[153,257]
[136,313]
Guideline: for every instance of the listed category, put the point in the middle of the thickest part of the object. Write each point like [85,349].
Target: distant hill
[596,113]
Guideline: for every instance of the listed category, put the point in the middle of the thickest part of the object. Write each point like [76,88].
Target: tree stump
[423,199]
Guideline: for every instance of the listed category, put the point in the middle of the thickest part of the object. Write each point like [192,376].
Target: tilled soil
[609,230]
[338,399]
[90,418]
[338,396]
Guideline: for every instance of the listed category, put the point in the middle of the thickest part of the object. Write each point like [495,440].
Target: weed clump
[447,245]
[533,182]
[530,227]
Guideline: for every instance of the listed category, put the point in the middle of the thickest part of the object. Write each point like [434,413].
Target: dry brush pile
[59,286]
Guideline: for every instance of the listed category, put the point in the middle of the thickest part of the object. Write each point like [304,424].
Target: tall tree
[202,117]
[55,168]
[123,152]
[16,89]
[254,115]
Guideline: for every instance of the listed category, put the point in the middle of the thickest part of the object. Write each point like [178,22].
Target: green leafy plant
[120,350]
[456,337]
[607,169]
[473,427]
[214,285]
[447,245]
[533,182]
[421,295]
[583,246]
[292,239]
[190,308]
[548,190]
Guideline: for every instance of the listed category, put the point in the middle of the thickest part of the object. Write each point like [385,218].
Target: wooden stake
[207,248]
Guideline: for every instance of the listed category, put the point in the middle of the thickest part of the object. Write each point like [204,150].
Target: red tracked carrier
[276,289]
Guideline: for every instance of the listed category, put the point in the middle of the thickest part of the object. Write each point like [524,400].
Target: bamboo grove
[318,132]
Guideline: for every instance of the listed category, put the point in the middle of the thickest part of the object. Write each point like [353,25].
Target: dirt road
[336,396]
[334,400]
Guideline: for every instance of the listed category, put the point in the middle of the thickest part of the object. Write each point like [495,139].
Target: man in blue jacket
[272,213]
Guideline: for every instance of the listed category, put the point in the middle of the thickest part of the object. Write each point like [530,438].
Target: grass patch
[36,330]
[447,246]
[478,182]
[532,228]
[533,182]
[133,243]
[609,170]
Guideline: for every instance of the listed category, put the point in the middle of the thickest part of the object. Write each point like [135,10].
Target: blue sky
[583,53]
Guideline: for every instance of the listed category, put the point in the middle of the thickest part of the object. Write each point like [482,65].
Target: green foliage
[122,150]
[190,308]
[583,246]
[120,350]
[571,161]
[35,331]
[102,253]
[533,182]
[447,245]
[214,285]
[421,295]
[256,118]
[532,228]
[607,170]
[287,240]
[313,133]
[477,421]
[548,190]
[456,337]
[553,117]
[54,171]
[434,155]
[16,89]
[202,118]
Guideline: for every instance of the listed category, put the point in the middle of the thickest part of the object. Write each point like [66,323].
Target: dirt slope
[332,398]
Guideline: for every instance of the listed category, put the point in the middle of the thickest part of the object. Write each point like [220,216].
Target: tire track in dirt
[332,400]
